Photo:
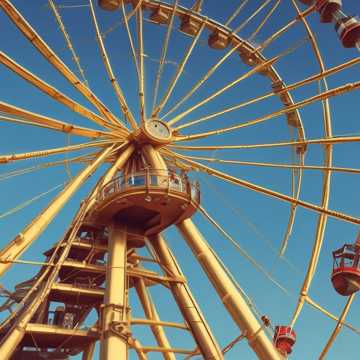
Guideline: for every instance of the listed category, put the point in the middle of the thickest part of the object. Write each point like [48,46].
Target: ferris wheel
[223,129]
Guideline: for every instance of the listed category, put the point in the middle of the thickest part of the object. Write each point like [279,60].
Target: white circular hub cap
[157,130]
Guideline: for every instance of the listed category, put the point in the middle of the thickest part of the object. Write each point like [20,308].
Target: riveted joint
[121,329]
[4,159]
[67,128]
[19,238]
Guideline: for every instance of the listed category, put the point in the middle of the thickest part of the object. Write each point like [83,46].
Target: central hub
[155,132]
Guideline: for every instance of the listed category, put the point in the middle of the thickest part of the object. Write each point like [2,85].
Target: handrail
[150,179]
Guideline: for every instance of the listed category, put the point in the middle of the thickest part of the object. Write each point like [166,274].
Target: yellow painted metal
[156,322]
[147,349]
[318,307]
[36,40]
[242,251]
[267,17]
[50,123]
[227,291]
[51,91]
[14,337]
[44,165]
[79,265]
[274,165]
[284,28]
[88,353]
[326,183]
[151,314]
[36,296]
[155,159]
[203,79]
[286,89]
[140,61]
[250,17]
[187,304]
[179,72]
[125,152]
[338,327]
[48,152]
[76,289]
[114,339]
[322,141]
[248,74]
[343,89]
[136,345]
[114,82]
[24,239]
[163,54]
[269,192]
[53,329]
[141,258]
[116,301]
[27,262]
[153,276]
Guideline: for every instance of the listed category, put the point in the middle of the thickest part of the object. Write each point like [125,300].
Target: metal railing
[150,179]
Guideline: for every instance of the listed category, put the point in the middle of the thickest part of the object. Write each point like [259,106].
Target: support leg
[151,313]
[230,296]
[187,304]
[113,344]
[88,353]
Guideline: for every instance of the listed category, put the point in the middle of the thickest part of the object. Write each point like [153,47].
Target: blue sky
[254,220]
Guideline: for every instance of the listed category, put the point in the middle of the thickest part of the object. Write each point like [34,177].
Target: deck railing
[151,179]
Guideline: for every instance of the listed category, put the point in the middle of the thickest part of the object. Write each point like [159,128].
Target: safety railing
[150,179]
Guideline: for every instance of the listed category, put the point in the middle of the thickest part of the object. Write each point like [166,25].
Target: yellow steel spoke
[267,17]
[236,12]
[114,82]
[163,55]
[239,306]
[140,35]
[249,18]
[223,89]
[48,152]
[241,78]
[243,252]
[125,20]
[268,192]
[204,79]
[25,238]
[274,165]
[318,307]
[135,9]
[287,88]
[48,122]
[179,71]
[322,96]
[84,208]
[285,28]
[239,213]
[338,327]
[296,181]
[30,169]
[69,44]
[325,197]
[26,203]
[42,284]
[131,41]
[53,59]
[326,141]
[52,91]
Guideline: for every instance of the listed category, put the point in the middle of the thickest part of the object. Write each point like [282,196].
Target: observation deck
[146,201]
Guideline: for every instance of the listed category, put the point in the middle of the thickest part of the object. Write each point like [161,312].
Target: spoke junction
[145,187]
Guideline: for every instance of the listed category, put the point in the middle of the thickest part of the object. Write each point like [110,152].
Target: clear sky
[256,221]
